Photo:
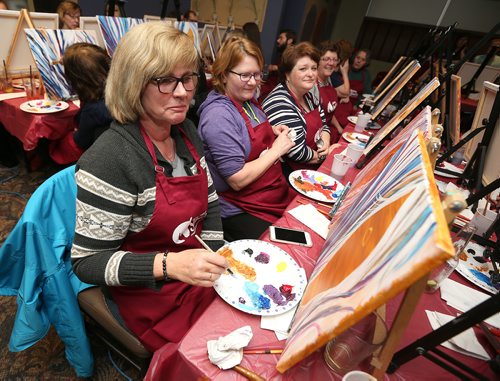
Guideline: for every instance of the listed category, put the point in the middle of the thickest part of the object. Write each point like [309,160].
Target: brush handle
[248,373]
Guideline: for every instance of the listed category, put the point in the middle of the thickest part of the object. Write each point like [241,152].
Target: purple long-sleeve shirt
[225,141]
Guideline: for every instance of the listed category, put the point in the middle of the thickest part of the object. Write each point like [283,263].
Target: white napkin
[463,298]
[76,102]
[309,216]
[465,342]
[227,351]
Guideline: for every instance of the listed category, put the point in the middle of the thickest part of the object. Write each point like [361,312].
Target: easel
[24,16]
[474,169]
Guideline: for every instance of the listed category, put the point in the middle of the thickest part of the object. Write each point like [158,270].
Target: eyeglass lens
[245,77]
[167,85]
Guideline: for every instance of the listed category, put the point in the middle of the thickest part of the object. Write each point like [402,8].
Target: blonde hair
[147,51]
[231,53]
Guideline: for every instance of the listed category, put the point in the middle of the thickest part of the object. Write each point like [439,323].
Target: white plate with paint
[43,106]
[356,137]
[475,268]
[316,185]
[266,280]
[352,118]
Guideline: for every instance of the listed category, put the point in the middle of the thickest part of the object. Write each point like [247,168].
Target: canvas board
[90,23]
[468,69]
[114,28]
[392,124]
[20,54]
[48,46]
[385,239]
[394,88]
[454,111]
[387,78]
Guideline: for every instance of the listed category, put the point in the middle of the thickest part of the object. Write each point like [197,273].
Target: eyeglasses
[76,16]
[327,59]
[167,85]
[245,77]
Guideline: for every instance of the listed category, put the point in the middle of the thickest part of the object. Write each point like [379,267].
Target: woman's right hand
[198,267]
[282,143]
[344,68]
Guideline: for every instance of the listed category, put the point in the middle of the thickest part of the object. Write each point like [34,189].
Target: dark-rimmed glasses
[168,84]
[245,77]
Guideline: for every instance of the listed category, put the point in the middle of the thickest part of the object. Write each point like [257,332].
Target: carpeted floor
[44,360]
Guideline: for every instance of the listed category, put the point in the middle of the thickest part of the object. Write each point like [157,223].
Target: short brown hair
[146,51]
[326,46]
[231,53]
[64,7]
[86,67]
[295,52]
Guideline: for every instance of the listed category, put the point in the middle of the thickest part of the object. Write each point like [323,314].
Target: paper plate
[356,137]
[42,106]
[450,167]
[316,185]
[266,280]
[352,118]
[475,268]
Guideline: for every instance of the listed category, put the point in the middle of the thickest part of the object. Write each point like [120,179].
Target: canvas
[191,29]
[388,77]
[454,111]
[392,124]
[114,28]
[382,241]
[394,88]
[47,47]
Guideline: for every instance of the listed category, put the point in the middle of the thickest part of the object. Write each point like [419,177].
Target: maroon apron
[161,316]
[314,123]
[269,195]
[329,101]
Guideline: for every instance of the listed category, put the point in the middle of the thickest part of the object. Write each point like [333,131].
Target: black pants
[243,226]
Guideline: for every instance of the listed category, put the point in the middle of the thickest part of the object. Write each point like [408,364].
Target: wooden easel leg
[401,320]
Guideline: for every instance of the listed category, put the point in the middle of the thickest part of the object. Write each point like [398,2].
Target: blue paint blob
[258,300]
[481,276]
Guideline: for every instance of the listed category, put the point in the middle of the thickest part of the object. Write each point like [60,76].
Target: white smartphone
[293,236]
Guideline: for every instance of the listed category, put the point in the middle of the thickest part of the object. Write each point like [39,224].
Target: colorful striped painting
[388,237]
[114,28]
[47,47]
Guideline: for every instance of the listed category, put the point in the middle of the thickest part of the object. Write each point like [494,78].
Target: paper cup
[357,375]
[362,122]
[354,151]
[341,163]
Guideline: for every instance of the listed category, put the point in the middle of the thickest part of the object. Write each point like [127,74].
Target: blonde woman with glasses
[144,192]
[241,146]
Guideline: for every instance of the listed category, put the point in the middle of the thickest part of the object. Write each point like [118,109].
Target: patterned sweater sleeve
[281,109]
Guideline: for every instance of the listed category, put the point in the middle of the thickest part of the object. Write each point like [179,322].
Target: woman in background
[359,77]
[241,146]
[323,89]
[291,103]
[86,68]
[144,192]
[69,15]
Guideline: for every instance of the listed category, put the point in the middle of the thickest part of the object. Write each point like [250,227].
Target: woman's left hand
[279,128]
[323,150]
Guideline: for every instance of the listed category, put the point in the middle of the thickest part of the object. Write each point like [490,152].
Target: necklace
[251,110]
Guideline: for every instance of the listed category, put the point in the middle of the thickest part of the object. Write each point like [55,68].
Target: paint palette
[352,118]
[266,280]
[43,106]
[355,137]
[316,185]
[475,268]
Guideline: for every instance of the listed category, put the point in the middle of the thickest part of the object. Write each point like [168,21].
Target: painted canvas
[454,111]
[394,88]
[114,28]
[391,125]
[382,241]
[191,29]
[47,47]
[388,77]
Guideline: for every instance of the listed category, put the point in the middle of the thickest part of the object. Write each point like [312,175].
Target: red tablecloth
[188,360]
[30,128]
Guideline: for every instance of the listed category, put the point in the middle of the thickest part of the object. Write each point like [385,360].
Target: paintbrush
[206,247]
[317,202]
[340,199]
[262,351]
[304,202]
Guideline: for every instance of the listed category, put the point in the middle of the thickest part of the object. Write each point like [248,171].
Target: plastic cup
[358,375]
[362,122]
[341,163]
[354,151]
[352,347]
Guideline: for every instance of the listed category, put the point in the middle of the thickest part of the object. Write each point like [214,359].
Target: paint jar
[341,163]
[362,122]
[439,274]
[349,350]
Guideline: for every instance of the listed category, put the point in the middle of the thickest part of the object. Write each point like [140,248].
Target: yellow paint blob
[281,267]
